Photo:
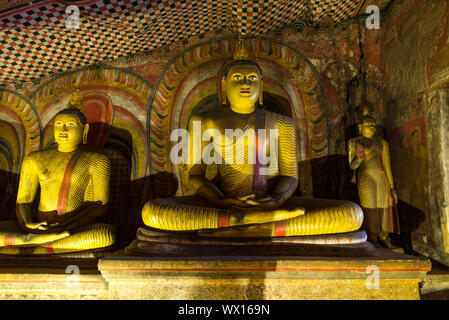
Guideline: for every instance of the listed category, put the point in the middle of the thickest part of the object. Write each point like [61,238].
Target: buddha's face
[368,129]
[415,138]
[404,141]
[68,131]
[243,87]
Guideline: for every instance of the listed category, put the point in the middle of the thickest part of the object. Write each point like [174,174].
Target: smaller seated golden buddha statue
[247,199]
[74,193]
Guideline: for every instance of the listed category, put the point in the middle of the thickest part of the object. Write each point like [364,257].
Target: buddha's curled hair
[242,62]
[74,112]
[73,107]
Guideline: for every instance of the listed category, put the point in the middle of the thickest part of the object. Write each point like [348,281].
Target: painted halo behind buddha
[239,201]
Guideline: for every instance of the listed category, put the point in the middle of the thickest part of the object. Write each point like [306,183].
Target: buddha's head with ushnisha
[70,125]
[368,125]
[242,82]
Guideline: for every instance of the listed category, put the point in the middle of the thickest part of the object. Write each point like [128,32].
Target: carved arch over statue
[20,133]
[191,78]
[114,100]
[114,104]
[20,128]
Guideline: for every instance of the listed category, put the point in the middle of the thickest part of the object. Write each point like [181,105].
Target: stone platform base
[314,273]
[51,284]
[51,277]
[207,272]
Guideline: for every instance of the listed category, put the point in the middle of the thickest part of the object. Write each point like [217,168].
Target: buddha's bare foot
[43,238]
[264,216]
[253,231]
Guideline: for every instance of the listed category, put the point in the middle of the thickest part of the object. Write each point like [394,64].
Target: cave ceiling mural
[35,40]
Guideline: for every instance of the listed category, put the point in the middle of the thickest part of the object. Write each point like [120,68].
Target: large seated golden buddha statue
[74,193]
[253,154]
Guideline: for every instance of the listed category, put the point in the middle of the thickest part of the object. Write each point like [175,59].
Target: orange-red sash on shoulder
[64,191]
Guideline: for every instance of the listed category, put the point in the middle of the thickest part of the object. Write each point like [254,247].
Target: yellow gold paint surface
[371,156]
[73,194]
[230,190]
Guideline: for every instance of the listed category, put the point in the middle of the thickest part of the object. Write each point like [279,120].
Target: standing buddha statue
[370,155]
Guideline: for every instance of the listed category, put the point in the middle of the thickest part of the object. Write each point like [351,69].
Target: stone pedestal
[48,284]
[44,278]
[363,273]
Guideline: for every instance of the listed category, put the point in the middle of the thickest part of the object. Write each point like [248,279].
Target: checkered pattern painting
[36,38]
[337,10]
[260,16]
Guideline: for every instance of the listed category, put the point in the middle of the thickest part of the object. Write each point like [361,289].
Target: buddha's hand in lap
[266,202]
[42,226]
[234,202]
[252,202]
[262,210]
